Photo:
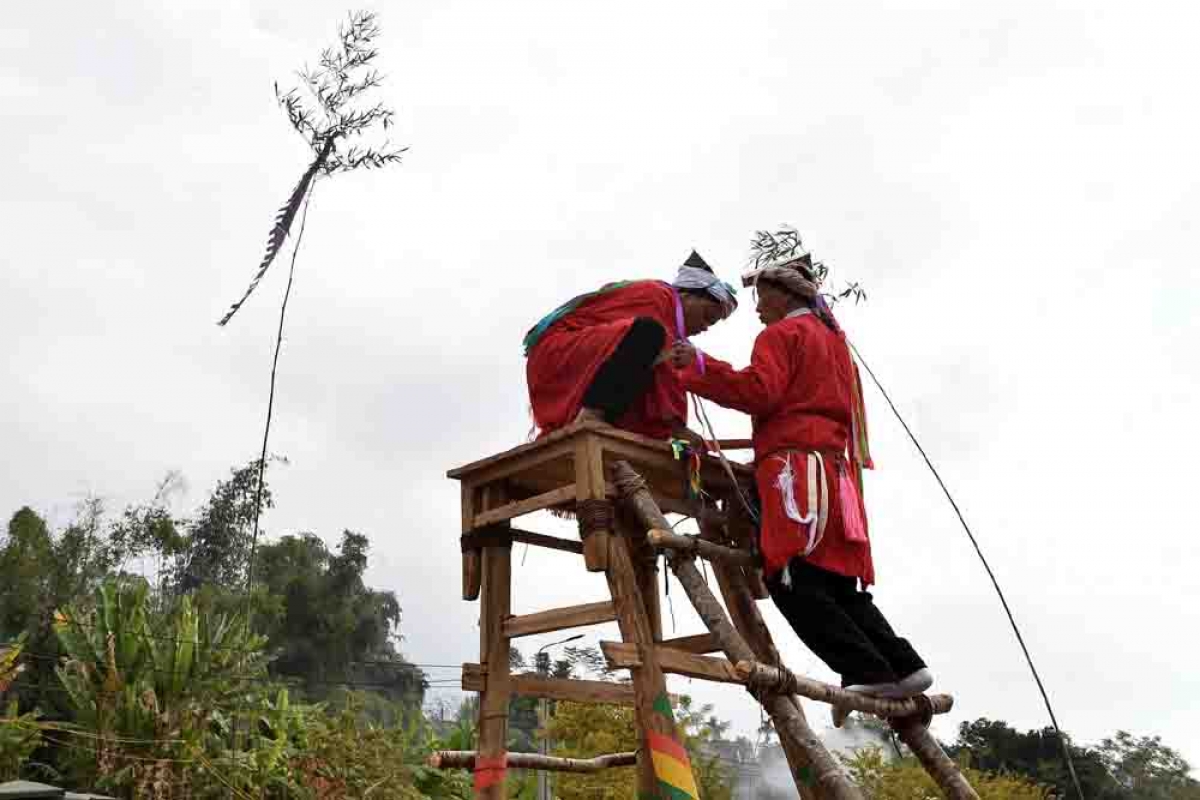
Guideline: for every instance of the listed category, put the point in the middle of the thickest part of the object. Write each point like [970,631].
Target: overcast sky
[1016,185]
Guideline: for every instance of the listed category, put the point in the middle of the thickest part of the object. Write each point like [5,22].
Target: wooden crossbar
[506,512]
[699,644]
[465,759]
[557,619]
[625,655]
[527,684]
[701,547]
[783,681]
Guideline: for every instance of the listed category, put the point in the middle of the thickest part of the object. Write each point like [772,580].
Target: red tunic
[563,363]
[799,391]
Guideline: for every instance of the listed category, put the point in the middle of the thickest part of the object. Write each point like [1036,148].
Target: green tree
[1145,768]
[215,548]
[906,779]
[20,735]
[327,626]
[994,746]
[585,730]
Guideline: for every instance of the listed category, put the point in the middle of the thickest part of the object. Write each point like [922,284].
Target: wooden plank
[645,451]
[550,542]
[576,691]
[494,652]
[623,655]
[699,644]
[530,684]
[511,510]
[473,677]
[495,466]
[558,618]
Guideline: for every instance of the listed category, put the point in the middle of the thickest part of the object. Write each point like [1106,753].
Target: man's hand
[697,441]
[682,353]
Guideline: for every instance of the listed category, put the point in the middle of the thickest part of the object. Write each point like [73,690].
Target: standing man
[803,393]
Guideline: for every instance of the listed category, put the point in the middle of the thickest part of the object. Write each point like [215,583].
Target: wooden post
[652,704]
[471,558]
[741,530]
[645,563]
[490,782]
[595,524]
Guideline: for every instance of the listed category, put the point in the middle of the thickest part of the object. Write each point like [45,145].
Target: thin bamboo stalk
[465,759]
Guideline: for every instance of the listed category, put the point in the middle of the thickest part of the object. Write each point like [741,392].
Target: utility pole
[542,662]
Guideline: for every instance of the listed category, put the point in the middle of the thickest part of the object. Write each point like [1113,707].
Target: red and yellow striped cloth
[672,767]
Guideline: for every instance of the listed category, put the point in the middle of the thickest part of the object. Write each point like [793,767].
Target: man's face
[700,314]
[773,303]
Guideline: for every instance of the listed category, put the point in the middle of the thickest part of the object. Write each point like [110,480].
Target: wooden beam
[699,644]
[465,759]
[558,618]
[506,512]
[783,681]
[550,542]
[530,684]
[576,691]
[696,546]
[625,655]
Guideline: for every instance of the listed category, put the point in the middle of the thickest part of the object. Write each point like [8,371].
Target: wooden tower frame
[618,485]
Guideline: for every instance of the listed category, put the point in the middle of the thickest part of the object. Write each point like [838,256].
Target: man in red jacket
[803,394]
[606,355]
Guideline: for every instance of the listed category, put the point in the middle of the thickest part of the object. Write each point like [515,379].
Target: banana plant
[151,690]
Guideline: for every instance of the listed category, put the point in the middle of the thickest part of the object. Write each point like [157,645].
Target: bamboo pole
[783,681]
[696,546]
[788,720]
[465,759]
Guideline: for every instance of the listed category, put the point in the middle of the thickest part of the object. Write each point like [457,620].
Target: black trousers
[628,372]
[842,626]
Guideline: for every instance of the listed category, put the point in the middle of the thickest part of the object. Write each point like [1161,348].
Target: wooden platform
[565,469]
[537,475]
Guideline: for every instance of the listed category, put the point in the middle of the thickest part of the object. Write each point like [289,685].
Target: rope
[712,436]
[991,575]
